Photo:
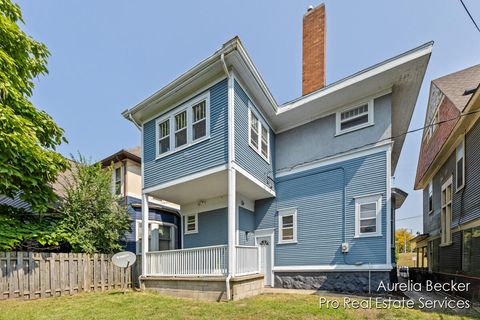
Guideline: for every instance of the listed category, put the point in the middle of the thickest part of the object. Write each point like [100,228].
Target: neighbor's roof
[454,85]
[133,154]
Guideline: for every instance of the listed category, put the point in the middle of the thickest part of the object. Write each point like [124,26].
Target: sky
[108,55]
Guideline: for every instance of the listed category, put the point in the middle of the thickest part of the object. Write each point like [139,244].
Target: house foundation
[205,288]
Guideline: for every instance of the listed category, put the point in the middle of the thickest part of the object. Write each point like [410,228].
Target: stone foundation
[353,281]
[204,288]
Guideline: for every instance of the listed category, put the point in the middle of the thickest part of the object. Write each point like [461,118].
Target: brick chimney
[313,64]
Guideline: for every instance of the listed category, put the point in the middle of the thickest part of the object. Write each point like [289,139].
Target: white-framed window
[164,136]
[117,181]
[258,134]
[460,165]
[191,223]
[161,236]
[446,215]
[184,126]
[430,196]
[354,118]
[287,225]
[368,212]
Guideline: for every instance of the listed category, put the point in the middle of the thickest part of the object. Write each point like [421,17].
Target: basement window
[354,118]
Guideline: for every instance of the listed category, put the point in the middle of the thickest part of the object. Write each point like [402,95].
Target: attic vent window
[355,118]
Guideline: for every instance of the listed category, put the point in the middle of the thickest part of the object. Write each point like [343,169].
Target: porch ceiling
[206,187]
[211,186]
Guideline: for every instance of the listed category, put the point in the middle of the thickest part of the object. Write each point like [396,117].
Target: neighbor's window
[199,121]
[118,181]
[191,224]
[259,136]
[433,125]
[287,225]
[446,216]
[430,197]
[355,118]
[368,216]
[164,136]
[460,163]
[185,125]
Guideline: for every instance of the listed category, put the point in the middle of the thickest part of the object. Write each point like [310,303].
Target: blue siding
[246,224]
[198,157]
[318,195]
[245,156]
[212,230]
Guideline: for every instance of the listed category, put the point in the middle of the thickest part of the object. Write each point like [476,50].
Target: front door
[265,258]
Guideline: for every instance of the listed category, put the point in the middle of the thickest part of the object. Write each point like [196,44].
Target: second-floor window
[191,223]
[118,181]
[184,126]
[446,216]
[355,118]
[460,165]
[259,136]
[430,197]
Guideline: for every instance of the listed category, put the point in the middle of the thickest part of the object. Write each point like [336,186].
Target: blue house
[298,194]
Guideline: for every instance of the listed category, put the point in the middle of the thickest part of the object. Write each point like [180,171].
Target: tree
[92,215]
[402,240]
[28,136]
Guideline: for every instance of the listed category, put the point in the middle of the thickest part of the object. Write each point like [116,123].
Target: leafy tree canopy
[28,136]
[93,218]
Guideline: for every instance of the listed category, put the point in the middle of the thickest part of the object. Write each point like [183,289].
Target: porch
[203,273]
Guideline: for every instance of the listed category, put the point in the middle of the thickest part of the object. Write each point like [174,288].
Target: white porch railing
[247,260]
[202,261]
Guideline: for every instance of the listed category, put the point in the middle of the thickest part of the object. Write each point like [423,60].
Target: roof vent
[310,8]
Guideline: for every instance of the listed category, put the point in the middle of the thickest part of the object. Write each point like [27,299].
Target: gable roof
[133,154]
[402,75]
[454,85]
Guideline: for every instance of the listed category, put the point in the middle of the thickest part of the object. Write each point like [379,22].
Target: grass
[137,305]
[405,259]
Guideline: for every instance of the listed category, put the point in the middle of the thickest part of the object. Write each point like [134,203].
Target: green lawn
[136,305]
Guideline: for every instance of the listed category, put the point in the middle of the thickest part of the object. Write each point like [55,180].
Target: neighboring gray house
[298,194]
[448,171]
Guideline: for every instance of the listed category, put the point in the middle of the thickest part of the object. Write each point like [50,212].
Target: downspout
[231,183]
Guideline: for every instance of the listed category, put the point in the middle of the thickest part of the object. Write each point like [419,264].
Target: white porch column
[144,232]
[232,221]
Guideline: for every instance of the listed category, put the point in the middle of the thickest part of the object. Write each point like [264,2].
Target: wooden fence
[30,275]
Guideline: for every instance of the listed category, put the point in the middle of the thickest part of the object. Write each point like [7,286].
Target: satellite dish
[124,259]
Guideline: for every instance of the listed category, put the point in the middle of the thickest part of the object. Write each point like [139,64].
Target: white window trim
[185,228]
[171,115]
[138,226]
[370,122]
[259,142]
[282,213]
[377,199]
[457,187]
[443,240]
[122,180]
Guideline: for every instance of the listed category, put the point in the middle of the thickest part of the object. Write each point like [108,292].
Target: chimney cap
[310,8]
